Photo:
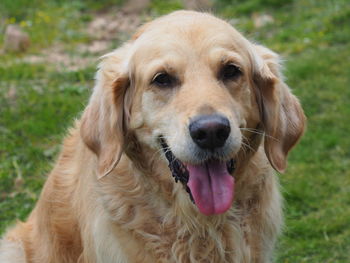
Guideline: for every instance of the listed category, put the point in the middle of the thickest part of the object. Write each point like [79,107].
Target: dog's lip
[231,163]
[178,168]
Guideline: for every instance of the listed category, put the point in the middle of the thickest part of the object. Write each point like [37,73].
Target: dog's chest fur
[166,230]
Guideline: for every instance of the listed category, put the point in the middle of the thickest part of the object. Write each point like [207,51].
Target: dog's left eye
[230,72]
[163,79]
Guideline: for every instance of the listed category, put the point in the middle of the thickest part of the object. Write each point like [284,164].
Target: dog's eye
[163,79]
[230,72]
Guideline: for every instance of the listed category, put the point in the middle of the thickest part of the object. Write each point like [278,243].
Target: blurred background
[49,50]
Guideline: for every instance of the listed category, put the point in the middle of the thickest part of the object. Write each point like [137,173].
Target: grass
[38,103]
[32,123]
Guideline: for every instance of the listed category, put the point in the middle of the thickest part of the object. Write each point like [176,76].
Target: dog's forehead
[186,31]
[194,21]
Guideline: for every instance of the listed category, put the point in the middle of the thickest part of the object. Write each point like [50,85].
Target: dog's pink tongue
[211,187]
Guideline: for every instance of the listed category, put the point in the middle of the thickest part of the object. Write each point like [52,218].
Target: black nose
[210,131]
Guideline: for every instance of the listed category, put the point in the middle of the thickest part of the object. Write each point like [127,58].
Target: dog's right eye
[163,79]
[230,72]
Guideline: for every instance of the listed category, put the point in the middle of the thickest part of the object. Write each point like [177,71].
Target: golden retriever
[173,158]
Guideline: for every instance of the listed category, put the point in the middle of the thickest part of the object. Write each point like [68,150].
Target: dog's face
[192,88]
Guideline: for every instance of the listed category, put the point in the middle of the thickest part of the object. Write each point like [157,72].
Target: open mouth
[210,185]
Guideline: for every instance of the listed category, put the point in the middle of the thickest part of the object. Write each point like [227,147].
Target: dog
[174,157]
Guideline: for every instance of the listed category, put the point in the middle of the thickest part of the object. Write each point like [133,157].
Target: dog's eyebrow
[232,58]
[160,66]
[224,56]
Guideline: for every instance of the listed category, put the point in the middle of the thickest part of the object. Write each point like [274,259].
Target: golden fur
[111,197]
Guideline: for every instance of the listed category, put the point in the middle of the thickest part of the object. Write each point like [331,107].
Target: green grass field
[39,101]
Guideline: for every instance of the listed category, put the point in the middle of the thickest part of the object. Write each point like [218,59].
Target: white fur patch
[11,252]
[107,246]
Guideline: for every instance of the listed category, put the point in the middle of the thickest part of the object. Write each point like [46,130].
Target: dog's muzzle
[181,172]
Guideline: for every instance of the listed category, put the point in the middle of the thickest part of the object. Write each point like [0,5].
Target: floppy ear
[282,117]
[105,119]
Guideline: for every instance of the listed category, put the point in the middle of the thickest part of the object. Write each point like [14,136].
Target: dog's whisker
[256,131]
[247,144]
[157,153]
[244,149]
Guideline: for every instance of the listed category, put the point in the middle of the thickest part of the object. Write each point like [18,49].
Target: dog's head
[191,87]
